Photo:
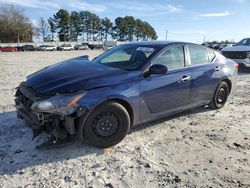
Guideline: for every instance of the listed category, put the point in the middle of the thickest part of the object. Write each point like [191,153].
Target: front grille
[235,55]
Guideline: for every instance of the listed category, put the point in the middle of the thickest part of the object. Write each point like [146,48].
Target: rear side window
[198,55]
[172,58]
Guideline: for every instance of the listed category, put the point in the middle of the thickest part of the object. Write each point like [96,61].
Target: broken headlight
[59,104]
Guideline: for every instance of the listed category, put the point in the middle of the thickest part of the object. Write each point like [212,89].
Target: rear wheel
[220,96]
[106,126]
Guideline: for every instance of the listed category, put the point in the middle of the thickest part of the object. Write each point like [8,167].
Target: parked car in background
[28,48]
[133,83]
[95,46]
[81,47]
[65,47]
[216,46]
[107,45]
[240,52]
[208,44]
[224,46]
[8,49]
[46,48]
[19,48]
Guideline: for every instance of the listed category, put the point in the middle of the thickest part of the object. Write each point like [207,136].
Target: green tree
[106,28]
[127,28]
[91,27]
[76,25]
[87,23]
[120,28]
[130,27]
[148,32]
[62,20]
[52,26]
[139,29]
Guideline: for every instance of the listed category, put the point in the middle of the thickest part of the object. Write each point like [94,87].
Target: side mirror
[158,69]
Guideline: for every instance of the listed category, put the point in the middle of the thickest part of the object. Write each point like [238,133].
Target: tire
[106,126]
[220,96]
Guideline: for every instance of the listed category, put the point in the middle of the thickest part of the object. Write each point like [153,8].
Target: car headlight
[59,104]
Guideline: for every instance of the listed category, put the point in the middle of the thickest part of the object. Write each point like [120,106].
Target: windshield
[128,57]
[244,42]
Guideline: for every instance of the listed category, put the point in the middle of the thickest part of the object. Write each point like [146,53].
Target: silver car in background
[240,53]
[46,48]
[81,47]
[65,47]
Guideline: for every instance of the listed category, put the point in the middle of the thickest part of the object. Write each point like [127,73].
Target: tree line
[69,26]
[14,26]
[223,42]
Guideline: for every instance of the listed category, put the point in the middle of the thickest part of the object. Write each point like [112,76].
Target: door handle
[217,68]
[185,79]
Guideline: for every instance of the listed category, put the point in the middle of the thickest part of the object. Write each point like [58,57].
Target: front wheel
[220,96]
[106,126]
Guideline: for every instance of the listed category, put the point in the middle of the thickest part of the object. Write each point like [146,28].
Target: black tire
[106,126]
[220,96]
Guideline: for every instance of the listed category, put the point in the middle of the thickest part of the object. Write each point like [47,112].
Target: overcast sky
[185,20]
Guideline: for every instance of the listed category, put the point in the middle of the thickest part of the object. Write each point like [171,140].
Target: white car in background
[240,52]
[46,48]
[107,45]
[81,47]
[65,47]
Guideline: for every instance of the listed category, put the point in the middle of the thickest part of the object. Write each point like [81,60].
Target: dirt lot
[198,148]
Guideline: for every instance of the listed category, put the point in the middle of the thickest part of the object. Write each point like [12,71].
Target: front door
[163,94]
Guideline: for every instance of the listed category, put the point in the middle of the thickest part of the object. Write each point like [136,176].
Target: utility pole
[167,35]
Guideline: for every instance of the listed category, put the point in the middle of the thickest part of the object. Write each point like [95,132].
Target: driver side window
[172,58]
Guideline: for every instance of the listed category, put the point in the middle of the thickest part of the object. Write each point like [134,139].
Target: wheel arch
[229,83]
[126,105]
[120,101]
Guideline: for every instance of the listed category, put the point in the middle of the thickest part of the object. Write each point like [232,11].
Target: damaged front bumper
[60,126]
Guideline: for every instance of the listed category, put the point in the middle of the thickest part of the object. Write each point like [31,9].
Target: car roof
[157,43]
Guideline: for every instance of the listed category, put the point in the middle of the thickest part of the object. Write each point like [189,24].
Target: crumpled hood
[77,74]
[236,49]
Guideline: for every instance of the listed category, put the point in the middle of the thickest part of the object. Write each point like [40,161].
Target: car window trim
[212,60]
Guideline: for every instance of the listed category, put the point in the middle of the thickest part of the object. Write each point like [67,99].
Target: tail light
[237,65]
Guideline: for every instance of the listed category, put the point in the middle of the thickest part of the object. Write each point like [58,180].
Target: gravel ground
[198,148]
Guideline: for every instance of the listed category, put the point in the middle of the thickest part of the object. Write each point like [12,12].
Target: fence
[54,43]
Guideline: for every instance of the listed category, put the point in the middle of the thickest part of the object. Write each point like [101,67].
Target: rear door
[205,71]
[168,92]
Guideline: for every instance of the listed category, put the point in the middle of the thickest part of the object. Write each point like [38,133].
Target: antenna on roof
[167,35]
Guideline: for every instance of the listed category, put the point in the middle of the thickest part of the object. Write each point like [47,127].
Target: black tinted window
[198,55]
[172,57]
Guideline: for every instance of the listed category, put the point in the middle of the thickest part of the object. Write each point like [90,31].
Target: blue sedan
[100,100]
